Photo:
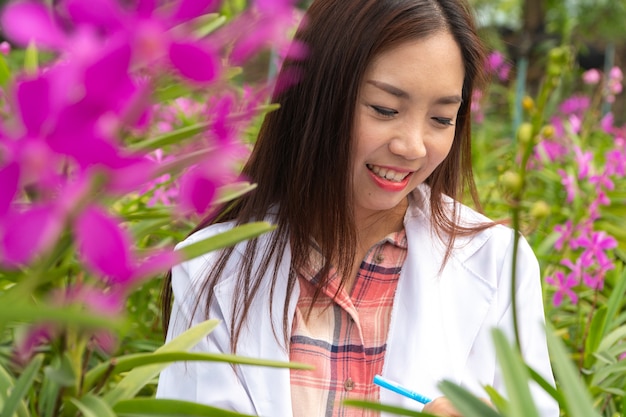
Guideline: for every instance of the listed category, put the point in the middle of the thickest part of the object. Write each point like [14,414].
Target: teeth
[387,174]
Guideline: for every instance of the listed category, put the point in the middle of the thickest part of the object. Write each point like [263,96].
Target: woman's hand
[441,406]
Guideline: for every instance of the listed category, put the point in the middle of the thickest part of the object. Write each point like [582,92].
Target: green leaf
[69,315]
[170,138]
[226,239]
[368,405]
[22,385]
[594,336]
[5,72]
[148,407]
[615,301]
[63,373]
[136,379]
[577,400]
[209,23]
[233,191]
[6,385]
[515,377]
[128,362]
[497,399]
[466,402]
[31,59]
[92,406]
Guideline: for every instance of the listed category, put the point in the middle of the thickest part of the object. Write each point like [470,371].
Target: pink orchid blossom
[570,184]
[592,76]
[564,284]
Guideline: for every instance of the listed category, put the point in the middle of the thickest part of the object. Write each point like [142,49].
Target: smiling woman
[375,267]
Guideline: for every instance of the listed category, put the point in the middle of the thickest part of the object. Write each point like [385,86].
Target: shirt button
[349,384]
[379,258]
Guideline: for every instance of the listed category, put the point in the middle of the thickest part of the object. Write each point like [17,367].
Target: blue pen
[399,389]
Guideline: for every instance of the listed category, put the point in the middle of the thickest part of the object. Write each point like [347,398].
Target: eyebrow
[395,91]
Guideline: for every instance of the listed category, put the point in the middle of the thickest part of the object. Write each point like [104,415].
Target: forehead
[435,60]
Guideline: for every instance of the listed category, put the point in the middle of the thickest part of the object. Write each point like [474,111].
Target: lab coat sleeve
[213,383]
[531,323]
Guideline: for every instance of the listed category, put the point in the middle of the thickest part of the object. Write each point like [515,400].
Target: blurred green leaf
[21,387]
[466,402]
[577,400]
[128,362]
[6,386]
[68,315]
[62,373]
[31,59]
[515,377]
[136,379]
[92,406]
[5,72]
[389,409]
[209,24]
[226,239]
[148,407]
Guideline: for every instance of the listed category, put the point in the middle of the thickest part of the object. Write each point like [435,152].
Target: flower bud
[528,103]
[511,181]
[525,133]
[540,210]
[547,131]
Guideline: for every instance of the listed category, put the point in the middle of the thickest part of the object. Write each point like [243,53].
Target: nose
[409,142]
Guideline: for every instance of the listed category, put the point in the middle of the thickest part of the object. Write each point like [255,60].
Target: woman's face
[405,121]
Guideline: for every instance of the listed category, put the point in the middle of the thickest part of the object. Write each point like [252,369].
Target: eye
[384,111]
[444,121]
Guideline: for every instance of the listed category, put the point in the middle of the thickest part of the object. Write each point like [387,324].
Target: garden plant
[122,122]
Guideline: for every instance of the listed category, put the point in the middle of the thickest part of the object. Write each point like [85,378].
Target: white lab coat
[440,327]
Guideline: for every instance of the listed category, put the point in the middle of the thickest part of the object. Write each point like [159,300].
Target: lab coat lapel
[268,388]
[437,314]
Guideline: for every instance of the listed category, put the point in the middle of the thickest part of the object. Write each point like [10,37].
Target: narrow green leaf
[226,239]
[31,59]
[170,138]
[466,402]
[62,373]
[615,301]
[390,409]
[22,385]
[128,362]
[92,406]
[515,377]
[233,191]
[148,407]
[577,400]
[136,379]
[67,315]
[6,385]
[497,399]
[545,385]
[594,336]
[210,23]
[5,72]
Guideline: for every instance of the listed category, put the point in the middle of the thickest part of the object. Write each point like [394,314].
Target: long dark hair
[302,158]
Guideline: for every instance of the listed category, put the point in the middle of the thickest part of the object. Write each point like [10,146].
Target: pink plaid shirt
[345,336]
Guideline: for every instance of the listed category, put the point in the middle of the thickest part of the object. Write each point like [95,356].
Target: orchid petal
[107,15]
[103,245]
[157,264]
[30,232]
[33,98]
[107,82]
[190,9]
[28,21]
[197,192]
[194,61]
[9,180]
